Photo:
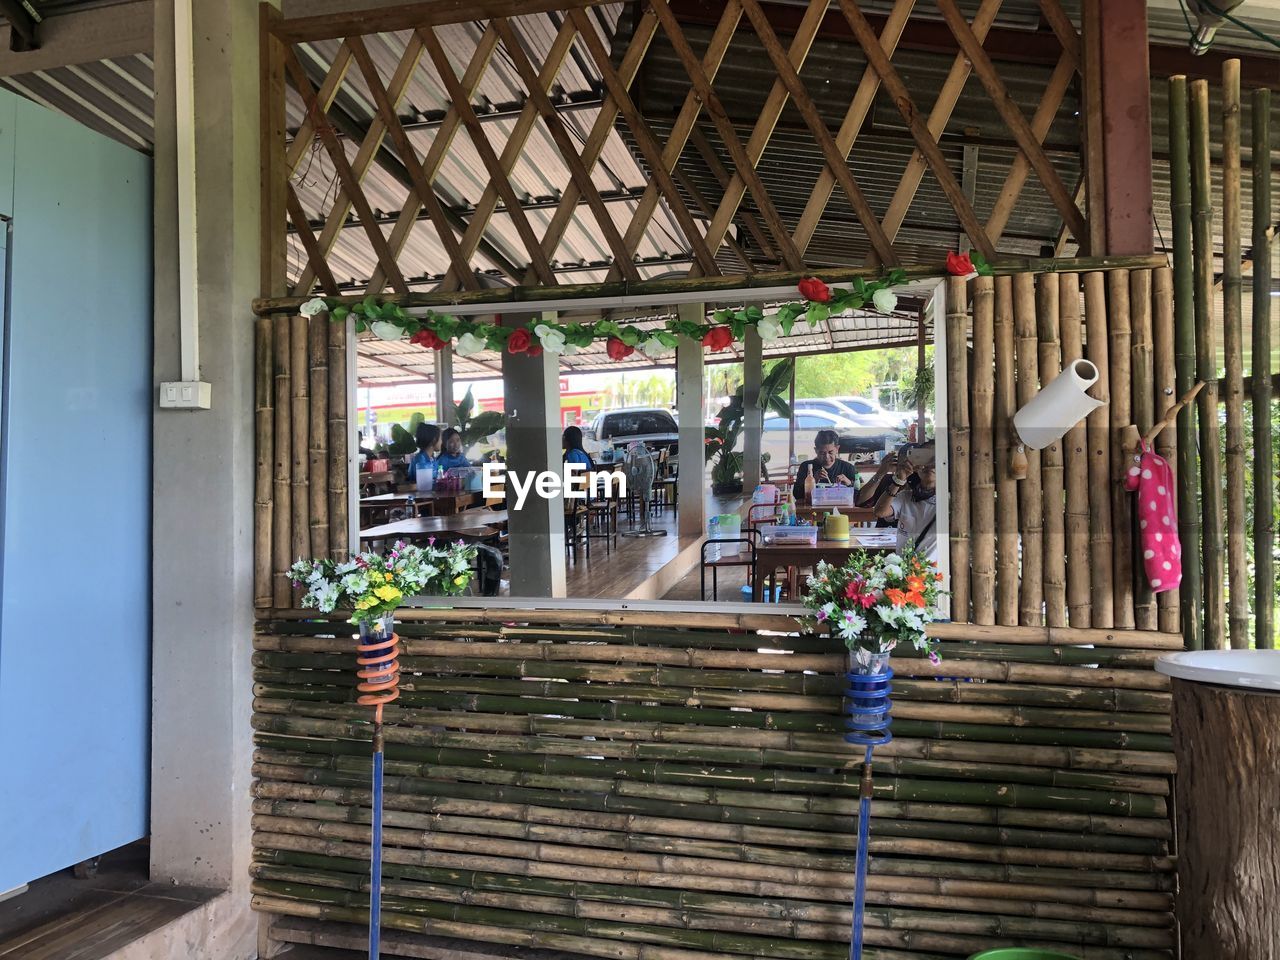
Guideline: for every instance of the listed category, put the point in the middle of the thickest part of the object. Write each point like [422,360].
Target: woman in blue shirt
[571,440]
[428,440]
[452,456]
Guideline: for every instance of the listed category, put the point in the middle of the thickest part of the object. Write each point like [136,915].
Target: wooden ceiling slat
[328,90]
[948,97]
[350,182]
[315,258]
[435,157]
[818,128]
[685,124]
[729,136]
[422,185]
[701,203]
[645,140]
[854,117]
[1014,120]
[712,160]
[928,145]
[411,16]
[568,152]
[462,103]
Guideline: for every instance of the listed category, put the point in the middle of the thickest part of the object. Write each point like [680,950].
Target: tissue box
[776,533]
[377,466]
[833,495]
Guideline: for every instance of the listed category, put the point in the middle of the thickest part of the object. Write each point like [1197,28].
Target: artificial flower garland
[467,336]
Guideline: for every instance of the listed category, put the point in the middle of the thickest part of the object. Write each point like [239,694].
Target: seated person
[452,456]
[571,442]
[826,466]
[914,506]
[428,441]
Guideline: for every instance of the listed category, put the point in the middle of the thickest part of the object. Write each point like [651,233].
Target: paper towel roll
[1058,407]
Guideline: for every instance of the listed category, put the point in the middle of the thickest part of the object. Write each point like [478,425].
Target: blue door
[75,469]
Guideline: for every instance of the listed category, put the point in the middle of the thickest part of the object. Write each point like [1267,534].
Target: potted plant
[726,475]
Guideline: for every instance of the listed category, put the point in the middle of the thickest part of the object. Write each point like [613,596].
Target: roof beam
[23,23]
[99,33]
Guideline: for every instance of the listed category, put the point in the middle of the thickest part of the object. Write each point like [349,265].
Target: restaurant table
[441,503]
[795,556]
[418,527]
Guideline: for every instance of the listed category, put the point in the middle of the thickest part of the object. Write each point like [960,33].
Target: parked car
[653,426]
[855,437]
[863,407]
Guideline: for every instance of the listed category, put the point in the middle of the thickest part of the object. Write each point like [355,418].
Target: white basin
[1250,669]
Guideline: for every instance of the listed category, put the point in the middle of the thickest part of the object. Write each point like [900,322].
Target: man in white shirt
[913,505]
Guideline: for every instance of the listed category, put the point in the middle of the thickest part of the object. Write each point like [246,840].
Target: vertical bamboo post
[1098,435]
[339,497]
[1142,374]
[1121,416]
[1264,531]
[282,499]
[958,435]
[1006,486]
[983,578]
[318,430]
[1075,456]
[1051,460]
[264,454]
[1165,394]
[1211,519]
[1030,495]
[300,425]
[1191,592]
[1233,352]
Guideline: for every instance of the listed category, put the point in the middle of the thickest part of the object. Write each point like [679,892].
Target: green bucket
[1021,953]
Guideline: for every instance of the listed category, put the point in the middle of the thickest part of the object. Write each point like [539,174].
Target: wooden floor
[63,917]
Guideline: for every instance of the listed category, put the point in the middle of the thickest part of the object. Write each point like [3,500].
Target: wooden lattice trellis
[708,226]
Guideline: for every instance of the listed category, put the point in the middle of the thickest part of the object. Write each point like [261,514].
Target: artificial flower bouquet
[374,585]
[876,601]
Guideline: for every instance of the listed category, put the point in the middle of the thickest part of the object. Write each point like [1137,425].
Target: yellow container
[836,527]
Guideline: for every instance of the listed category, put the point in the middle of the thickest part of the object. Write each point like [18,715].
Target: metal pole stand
[867,704]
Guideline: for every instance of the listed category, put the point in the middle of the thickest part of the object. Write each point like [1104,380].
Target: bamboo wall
[1053,542]
[625,789]
[300,428]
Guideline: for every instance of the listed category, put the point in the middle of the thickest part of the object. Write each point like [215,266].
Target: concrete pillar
[444,385]
[753,421]
[202,571]
[691,413]
[531,386]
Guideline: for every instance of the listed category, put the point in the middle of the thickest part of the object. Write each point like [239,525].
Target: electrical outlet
[185,395]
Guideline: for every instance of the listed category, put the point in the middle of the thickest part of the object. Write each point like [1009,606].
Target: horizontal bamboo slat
[634,789]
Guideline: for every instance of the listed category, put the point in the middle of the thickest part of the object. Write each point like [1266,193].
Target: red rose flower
[428,338]
[718,338]
[535,350]
[811,288]
[959,264]
[519,341]
[618,350]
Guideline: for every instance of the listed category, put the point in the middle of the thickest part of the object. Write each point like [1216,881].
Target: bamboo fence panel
[264,452]
[1264,599]
[318,431]
[1142,372]
[1076,462]
[1120,414]
[339,439]
[1030,501]
[958,437]
[600,788]
[983,514]
[1052,480]
[1164,382]
[281,522]
[1098,435]
[1007,550]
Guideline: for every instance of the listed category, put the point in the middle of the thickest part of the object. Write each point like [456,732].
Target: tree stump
[1227,798]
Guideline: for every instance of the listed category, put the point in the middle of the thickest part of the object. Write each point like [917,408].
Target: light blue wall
[75,615]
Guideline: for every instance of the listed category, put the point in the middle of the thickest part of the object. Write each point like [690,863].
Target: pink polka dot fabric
[1152,477]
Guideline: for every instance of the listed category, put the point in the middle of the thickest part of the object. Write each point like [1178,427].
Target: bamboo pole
[264,459]
[1233,352]
[1030,495]
[983,520]
[1006,486]
[1211,520]
[338,440]
[1142,376]
[1264,599]
[282,499]
[318,431]
[958,434]
[1191,591]
[1048,311]
[1098,437]
[1076,461]
[1164,387]
[300,422]
[1120,411]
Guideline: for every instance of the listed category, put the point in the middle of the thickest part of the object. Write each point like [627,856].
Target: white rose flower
[313,306]
[469,344]
[653,348]
[769,329]
[385,330]
[552,340]
[886,301]
[570,349]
